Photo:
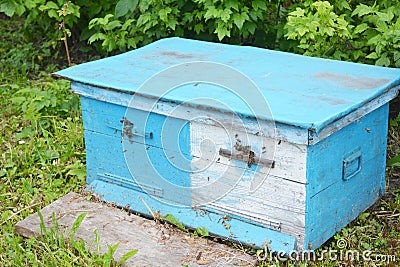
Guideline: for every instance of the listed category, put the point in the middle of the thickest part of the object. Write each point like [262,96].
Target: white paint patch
[290,159]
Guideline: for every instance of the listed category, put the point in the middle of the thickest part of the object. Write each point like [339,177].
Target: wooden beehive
[259,146]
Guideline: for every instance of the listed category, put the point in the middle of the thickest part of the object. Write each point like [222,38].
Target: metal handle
[351,164]
[247,156]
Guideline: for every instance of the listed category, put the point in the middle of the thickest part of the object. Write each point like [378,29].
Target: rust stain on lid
[176,54]
[351,81]
[333,101]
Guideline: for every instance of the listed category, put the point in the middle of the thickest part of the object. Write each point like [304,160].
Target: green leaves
[222,30]
[239,19]
[259,4]
[113,33]
[100,21]
[64,250]
[127,256]
[48,5]
[346,30]
[212,12]
[143,19]
[68,11]
[362,10]
[383,60]
[396,57]
[201,231]
[77,169]
[172,219]
[319,30]
[112,25]
[235,19]
[75,227]
[379,30]
[218,20]
[11,7]
[362,33]
[33,102]
[163,14]
[394,162]
[361,28]
[343,5]
[123,7]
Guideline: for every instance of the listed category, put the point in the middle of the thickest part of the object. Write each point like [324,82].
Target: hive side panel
[346,175]
[268,196]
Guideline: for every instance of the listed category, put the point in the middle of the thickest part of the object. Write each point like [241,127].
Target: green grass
[43,158]
[42,155]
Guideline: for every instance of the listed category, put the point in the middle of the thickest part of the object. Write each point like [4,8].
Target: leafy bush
[379,30]
[319,30]
[362,33]
[42,17]
[140,22]
[124,24]
[46,22]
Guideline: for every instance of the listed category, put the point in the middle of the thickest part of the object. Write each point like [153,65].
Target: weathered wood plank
[283,132]
[157,244]
[218,180]
[290,159]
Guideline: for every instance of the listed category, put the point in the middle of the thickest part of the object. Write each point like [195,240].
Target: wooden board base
[157,244]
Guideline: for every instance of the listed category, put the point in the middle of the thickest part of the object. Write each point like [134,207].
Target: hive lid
[301,91]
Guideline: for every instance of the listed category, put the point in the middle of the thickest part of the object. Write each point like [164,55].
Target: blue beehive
[260,146]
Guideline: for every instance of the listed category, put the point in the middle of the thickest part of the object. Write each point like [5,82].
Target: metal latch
[244,153]
[129,131]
